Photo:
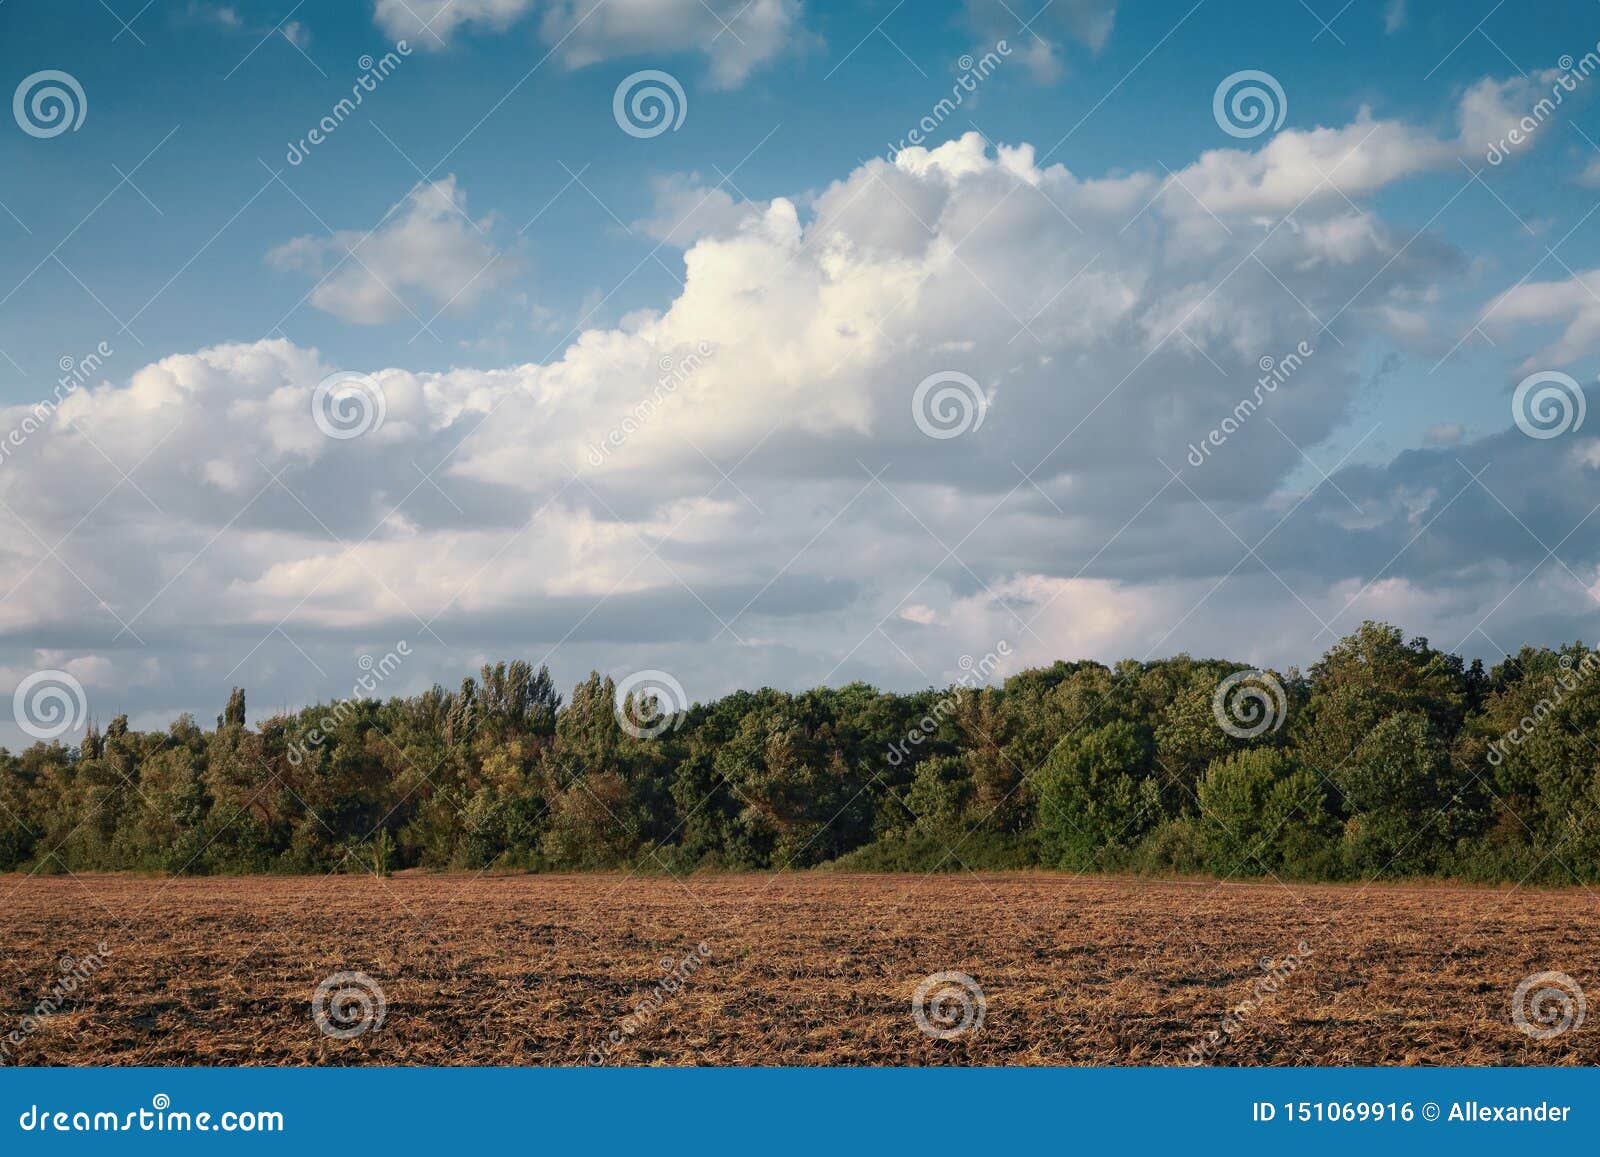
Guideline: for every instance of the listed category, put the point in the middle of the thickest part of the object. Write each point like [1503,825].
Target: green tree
[1097,796]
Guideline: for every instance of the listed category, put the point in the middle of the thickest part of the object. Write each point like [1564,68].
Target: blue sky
[512,247]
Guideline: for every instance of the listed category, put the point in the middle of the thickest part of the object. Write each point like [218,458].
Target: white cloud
[431,22]
[736,36]
[686,210]
[693,488]
[1502,118]
[1573,302]
[426,247]
[1301,166]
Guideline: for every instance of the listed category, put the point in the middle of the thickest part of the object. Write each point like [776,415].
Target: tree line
[1386,757]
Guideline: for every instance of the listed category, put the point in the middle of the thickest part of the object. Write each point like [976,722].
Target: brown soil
[799,969]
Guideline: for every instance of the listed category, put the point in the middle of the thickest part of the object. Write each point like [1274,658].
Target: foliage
[1394,759]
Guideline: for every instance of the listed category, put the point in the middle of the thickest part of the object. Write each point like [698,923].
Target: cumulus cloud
[735,36]
[1573,302]
[738,487]
[686,210]
[1502,118]
[426,253]
[1298,166]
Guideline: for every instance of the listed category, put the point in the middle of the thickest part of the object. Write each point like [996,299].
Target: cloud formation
[424,256]
[735,37]
[741,488]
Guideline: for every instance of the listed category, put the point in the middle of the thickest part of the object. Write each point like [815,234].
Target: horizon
[988,672]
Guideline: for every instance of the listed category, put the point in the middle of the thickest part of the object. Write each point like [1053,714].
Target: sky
[783,342]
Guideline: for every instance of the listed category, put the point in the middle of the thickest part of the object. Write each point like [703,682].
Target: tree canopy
[1385,758]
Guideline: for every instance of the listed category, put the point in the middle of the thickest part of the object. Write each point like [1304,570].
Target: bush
[1260,813]
[1097,797]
